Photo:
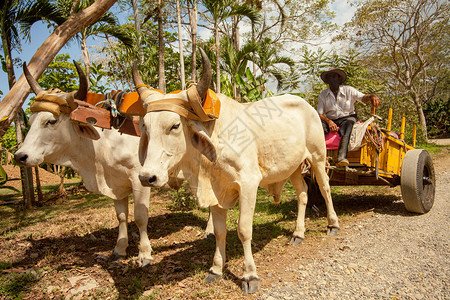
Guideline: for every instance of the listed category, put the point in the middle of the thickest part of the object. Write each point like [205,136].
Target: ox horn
[205,80]
[137,78]
[81,94]
[31,81]
[142,89]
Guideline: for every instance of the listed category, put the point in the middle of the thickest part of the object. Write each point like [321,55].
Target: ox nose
[20,158]
[148,180]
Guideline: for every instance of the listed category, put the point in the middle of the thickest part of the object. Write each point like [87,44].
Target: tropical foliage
[403,44]
[395,49]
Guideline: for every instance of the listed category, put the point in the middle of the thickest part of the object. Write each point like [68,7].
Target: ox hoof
[251,285]
[332,230]
[296,240]
[116,257]
[211,277]
[146,262]
[209,236]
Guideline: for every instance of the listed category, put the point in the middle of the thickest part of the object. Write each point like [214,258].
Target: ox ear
[143,146]
[87,131]
[201,141]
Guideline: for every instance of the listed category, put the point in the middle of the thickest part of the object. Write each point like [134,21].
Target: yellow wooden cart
[386,159]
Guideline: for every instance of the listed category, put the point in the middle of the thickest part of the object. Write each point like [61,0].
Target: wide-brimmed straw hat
[341,73]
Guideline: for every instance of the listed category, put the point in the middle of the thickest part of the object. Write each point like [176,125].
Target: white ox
[225,160]
[106,160]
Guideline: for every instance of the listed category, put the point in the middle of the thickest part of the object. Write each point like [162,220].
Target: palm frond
[39,10]
[116,31]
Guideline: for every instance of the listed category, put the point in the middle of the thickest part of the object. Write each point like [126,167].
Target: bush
[436,113]
[183,199]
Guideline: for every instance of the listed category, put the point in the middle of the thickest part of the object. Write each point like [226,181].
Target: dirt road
[392,255]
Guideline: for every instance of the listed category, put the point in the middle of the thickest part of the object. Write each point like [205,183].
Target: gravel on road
[391,255]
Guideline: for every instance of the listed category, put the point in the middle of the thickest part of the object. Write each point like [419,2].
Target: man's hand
[375,101]
[333,127]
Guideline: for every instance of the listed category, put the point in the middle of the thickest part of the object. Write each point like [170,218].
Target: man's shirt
[342,106]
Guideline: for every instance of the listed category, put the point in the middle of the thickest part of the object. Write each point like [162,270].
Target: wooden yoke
[131,104]
[90,114]
[131,107]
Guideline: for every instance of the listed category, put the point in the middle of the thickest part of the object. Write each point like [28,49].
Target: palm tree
[13,14]
[14,99]
[137,26]
[219,11]
[268,60]
[161,67]
[235,62]
[106,24]
[192,7]
[180,43]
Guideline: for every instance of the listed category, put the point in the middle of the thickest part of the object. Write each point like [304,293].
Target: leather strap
[51,102]
[196,103]
[176,105]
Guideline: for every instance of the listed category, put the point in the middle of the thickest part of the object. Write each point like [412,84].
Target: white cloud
[344,11]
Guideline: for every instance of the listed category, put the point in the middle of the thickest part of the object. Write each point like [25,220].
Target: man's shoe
[342,163]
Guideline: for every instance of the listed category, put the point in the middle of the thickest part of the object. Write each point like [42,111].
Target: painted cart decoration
[384,158]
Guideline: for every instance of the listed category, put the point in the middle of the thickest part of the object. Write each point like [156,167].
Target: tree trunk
[162,78]
[8,60]
[86,59]
[137,26]
[193,23]
[44,55]
[119,62]
[26,175]
[61,190]
[235,32]
[254,53]
[180,43]
[216,36]
[422,120]
[38,185]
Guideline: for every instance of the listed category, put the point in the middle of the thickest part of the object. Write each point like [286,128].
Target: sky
[39,32]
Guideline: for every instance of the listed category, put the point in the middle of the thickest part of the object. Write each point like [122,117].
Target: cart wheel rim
[427,187]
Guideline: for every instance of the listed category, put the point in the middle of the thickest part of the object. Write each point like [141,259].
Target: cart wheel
[417,181]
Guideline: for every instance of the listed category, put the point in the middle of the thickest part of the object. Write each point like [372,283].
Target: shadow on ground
[180,260]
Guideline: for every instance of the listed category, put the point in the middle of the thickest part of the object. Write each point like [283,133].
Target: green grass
[14,218]
[432,148]
[13,285]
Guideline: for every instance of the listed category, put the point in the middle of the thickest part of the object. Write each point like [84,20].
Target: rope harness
[120,110]
[375,136]
[112,102]
[193,108]
[54,101]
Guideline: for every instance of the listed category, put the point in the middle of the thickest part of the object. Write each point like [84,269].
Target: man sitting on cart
[336,108]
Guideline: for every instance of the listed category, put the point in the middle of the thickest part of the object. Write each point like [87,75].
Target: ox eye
[176,126]
[50,122]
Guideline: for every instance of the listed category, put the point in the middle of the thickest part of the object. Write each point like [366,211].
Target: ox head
[166,136]
[51,132]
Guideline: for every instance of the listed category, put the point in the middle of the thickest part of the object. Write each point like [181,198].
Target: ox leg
[209,231]
[301,190]
[247,200]
[141,202]
[120,251]
[324,186]
[220,231]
